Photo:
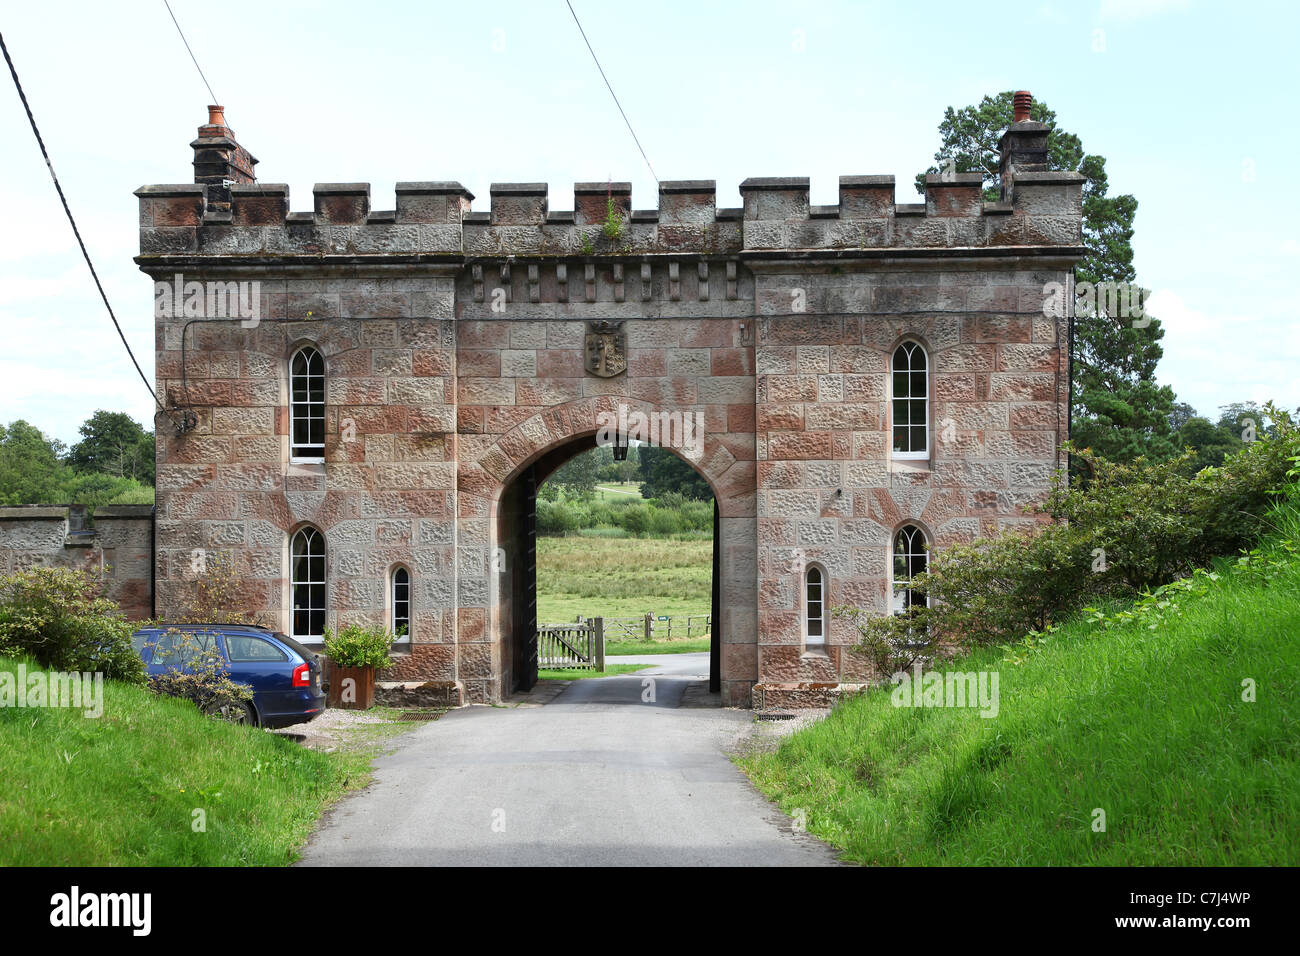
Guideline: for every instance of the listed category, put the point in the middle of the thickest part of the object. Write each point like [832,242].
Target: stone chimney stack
[1023,145]
[219,161]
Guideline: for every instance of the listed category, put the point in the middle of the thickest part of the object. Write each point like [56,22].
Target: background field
[625,577]
[622,577]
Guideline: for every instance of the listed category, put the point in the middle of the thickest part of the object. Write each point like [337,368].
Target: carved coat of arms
[606,346]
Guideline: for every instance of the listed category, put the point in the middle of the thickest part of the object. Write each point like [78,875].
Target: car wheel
[236,713]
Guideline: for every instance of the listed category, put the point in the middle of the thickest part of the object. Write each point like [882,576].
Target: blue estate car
[285,676]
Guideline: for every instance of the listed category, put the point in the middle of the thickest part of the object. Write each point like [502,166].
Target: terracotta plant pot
[351,688]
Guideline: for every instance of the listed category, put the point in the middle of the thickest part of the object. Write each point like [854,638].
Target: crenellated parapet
[436,219]
[1039,211]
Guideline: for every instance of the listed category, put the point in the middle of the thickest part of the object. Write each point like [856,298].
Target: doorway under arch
[516,610]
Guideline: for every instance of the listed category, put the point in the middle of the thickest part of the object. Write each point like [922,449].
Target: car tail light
[302,675]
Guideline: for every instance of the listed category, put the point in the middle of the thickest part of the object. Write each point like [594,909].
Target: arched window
[307,560]
[401,598]
[307,404]
[911,402]
[814,607]
[910,559]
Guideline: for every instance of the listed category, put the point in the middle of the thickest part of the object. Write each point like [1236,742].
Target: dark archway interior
[517,532]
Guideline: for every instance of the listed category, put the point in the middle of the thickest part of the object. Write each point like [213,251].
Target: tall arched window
[307,570]
[911,402]
[307,404]
[910,559]
[814,607]
[401,603]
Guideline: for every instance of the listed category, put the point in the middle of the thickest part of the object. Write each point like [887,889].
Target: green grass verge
[1145,723]
[610,670]
[121,789]
[693,646]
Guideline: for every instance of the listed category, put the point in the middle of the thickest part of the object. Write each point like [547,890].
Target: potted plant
[355,653]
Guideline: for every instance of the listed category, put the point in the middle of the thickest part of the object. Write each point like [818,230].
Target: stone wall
[117,547]
[829,490]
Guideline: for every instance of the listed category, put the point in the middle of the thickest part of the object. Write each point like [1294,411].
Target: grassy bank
[574,674]
[1144,720]
[122,789]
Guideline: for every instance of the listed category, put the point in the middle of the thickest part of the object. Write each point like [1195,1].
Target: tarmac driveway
[613,771]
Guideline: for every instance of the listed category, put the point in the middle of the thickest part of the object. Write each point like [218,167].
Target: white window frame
[915,349]
[313,539]
[393,601]
[898,588]
[309,451]
[814,641]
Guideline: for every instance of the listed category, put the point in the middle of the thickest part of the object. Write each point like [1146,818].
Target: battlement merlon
[1040,212]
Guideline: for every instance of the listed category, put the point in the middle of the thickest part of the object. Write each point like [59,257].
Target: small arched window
[307,404]
[402,604]
[307,571]
[910,559]
[814,607]
[911,402]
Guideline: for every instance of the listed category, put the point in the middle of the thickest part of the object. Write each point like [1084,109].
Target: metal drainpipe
[1069,364]
[153,561]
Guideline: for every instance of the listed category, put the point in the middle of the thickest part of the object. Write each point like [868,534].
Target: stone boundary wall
[117,546]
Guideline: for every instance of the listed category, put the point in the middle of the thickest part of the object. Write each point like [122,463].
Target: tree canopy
[35,469]
[114,443]
[1119,409]
[663,472]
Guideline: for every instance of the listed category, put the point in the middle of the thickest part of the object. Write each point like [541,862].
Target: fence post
[649,626]
[599,624]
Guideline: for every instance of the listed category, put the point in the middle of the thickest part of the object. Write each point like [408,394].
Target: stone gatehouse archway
[462,346]
[497,482]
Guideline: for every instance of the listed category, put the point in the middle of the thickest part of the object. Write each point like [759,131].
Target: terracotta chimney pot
[1023,101]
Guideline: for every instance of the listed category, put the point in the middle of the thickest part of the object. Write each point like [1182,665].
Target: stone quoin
[873,378]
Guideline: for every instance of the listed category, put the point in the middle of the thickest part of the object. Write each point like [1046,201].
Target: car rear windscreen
[306,653]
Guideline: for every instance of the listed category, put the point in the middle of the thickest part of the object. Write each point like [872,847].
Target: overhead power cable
[611,91]
[73,222]
[191,53]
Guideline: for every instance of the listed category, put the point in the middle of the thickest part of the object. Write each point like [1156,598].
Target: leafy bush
[133,494]
[635,519]
[358,645]
[673,500]
[59,617]
[200,676]
[697,516]
[554,517]
[1126,531]
[664,523]
[670,515]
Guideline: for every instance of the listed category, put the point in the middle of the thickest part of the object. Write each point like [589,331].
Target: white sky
[1191,103]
